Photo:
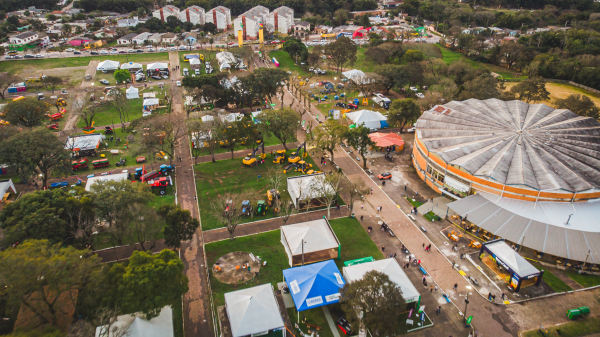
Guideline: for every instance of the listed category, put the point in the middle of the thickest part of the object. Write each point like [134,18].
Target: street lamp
[467,301]
[303,242]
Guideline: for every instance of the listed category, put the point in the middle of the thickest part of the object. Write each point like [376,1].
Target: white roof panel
[253,310]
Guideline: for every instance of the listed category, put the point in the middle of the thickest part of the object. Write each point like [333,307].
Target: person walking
[383,248]
[503,296]
[435,289]
[439,310]
[423,245]
[362,206]
[455,286]
[429,247]
[431,289]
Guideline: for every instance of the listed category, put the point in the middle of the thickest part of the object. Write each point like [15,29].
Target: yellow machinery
[272,194]
[296,156]
[365,102]
[251,159]
[279,157]
[61,102]
[161,155]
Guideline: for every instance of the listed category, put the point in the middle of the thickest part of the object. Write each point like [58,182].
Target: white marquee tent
[137,326]
[108,65]
[132,92]
[131,65]
[253,311]
[368,118]
[317,236]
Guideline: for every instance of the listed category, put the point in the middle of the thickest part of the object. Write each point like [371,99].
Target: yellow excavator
[272,194]
[296,156]
[279,157]
[251,159]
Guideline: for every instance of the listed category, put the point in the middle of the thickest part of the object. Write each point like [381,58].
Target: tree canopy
[579,104]
[180,225]
[403,112]
[342,52]
[283,124]
[26,112]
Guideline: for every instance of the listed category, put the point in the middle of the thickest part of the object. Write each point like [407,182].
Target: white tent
[253,311]
[391,268]
[508,256]
[231,117]
[5,187]
[110,177]
[354,75]
[307,187]
[131,65]
[208,118]
[368,118]
[150,101]
[108,65]
[317,236]
[157,65]
[84,142]
[132,92]
[194,62]
[137,326]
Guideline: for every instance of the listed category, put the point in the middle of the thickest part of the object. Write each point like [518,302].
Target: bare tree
[355,192]
[327,188]
[165,134]
[6,80]
[106,319]
[87,113]
[227,210]
[119,102]
[282,205]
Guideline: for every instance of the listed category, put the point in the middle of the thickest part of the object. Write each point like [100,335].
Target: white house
[141,39]
[23,38]
[250,21]
[126,39]
[103,33]
[281,19]
[124,23]
[220,16]
[165,12]
[169,38]
[155,38]
[193,14]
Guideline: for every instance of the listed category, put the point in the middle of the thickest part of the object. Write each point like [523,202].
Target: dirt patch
[236,267]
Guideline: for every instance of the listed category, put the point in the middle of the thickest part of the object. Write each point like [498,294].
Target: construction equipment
[251,159]
[160,184]
[165,169]
[121,162]
[279,157]
[100,163]
[295,156]
[61,102]
[79,164]
[108,130]
[161,155]
[261,207]
[246,207]
[272,195]
[290,167]
[304,167]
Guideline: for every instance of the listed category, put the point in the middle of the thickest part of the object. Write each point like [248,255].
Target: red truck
[161,184]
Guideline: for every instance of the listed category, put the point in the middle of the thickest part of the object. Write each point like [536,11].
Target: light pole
[303,242]
[467,301]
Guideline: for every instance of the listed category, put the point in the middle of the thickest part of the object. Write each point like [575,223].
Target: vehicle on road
[139,51]
[94,53]
[178,83]
[122,52]
[148,46]
[39,56]
[419,95]
[385,176]
[105,82]
[151,50]
[69,50]
[103,52]
[114,52]
[76,52]
[411,130]
[162,49]
[130,50]
[63,92]
[173,49]
[17,57]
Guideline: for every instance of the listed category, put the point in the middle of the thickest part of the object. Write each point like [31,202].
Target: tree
[403,112]
[531,89]
[356,191]
[227,210]
[37,149]
[87,113]
[341,16]
[146,226]
[372,302]
[6,80]
[66,28]
[414,55]
[180,225]
[165,134]
[282,205]
[26,112]
[282,124]
[43,276]
[342,52]
[436,67]
[147,283]
[484,86]
[359,139]
[122,75]
[52,82]
[579,104]
[511,51]
[112,200]
[268,81]
[413,73]
[328,137]
[296,49]
[327,188]
[390,75]
[119,102]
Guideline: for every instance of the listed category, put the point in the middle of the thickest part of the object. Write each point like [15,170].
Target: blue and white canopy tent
[314,285]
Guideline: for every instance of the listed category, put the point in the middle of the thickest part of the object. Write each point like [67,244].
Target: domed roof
[516,143]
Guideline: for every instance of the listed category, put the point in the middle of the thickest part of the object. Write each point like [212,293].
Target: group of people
[428,248]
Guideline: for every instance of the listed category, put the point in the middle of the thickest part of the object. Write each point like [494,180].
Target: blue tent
[314,285]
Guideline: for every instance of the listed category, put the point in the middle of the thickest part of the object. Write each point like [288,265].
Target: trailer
[150,175]
[79,164]
[59,184]
[100,163]
[382,101]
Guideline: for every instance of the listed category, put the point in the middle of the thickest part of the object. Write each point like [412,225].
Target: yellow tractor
[61,102]
[251,159]
[272,194]
[304,167]
[296,156]
[161,155]
[279,157]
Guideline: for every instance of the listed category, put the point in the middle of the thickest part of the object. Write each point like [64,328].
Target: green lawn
[450,57]
[430,50]
[314,316]
[50,63]
[430,216]
[554,282]
[577,328]
[178,318]
[355,242]
[584,280]
[413,202]
[231,175]
[108,115]
[269,141]
[286,63]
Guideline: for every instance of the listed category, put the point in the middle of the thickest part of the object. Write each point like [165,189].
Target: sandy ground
[561,91]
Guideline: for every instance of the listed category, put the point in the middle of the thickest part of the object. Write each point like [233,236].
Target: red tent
[387,139]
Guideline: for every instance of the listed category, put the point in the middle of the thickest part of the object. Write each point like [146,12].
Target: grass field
[414,202]
[269,141]
[561,91]
[585,281]
[554,282]
[584,327]
[430,50]
[450,57]
[355,242]
[108,115]
[66,62]
[231,175]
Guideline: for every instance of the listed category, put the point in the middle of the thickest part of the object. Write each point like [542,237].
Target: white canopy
[253,310]
[317,236]
[307,186]
[368,118]
[354,75]
[5,185]
[116,177]
[131,65]
[208,118]
[108,65]
[194,62]
[138,326]
[224,66]
[150,101]
[157,65]
[391,268]
[132,92]
[231,117]
[84,142]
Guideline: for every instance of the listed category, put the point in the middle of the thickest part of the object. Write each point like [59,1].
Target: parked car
[231,43]
[139,51]
[68,50]
[178,83]
[352,106]
[156,77]
[122,52]
[39,56]
[148,46]
[130,51]
[151,50]
[173,49]
[114,52]
[420,95]
[9,57]
[94,53]
[182,48]
[76,52]
[63,92]
[197,71]
[385,176]
[162,49]
[411,130]
[103,52]
[105,82]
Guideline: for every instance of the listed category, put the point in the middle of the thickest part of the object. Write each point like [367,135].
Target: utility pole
[467,302]
[303,242]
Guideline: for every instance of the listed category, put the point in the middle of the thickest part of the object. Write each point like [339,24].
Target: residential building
[54,33]
[141,39]
[193,14]
[190,38]
[169,38]
[23,38]
[301,29]
[105,33]
[281,19]
[78,41]
[220,16]
[250,22]
[155,38]
[374,12]
[124,23]
[165,12]
[323,29]
[126,39]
